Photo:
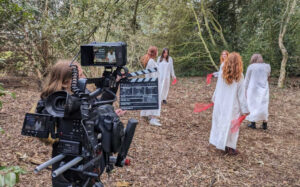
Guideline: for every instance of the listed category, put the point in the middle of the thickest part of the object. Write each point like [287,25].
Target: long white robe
[152,64]
[166,70]
[257,90]
[229,104]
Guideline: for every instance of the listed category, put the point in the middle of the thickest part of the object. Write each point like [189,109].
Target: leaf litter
[178,153]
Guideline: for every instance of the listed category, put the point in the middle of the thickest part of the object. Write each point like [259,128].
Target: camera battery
[69,147]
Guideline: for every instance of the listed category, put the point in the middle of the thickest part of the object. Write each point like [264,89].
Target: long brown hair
[233,68]
[162,55]
[221,58]
[256,58]
[60,74]
[151,53]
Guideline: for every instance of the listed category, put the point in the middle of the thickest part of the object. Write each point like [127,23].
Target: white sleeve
[172,68]
[213,97]
[247,78]
[151,64]
[269,69]
[242,96]
[216,74]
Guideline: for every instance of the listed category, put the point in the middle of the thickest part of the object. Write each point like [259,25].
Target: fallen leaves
[178,153]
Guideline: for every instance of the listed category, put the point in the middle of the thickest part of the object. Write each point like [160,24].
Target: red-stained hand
[174,81]
[120,112]
[236,123]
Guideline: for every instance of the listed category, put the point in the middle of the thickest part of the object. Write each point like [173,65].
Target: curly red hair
[233,68]
[151,53]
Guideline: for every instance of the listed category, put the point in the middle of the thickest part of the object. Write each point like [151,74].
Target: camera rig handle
[129,133]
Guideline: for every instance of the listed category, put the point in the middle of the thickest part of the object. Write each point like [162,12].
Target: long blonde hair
[151,53]
[60,74]
[233,68]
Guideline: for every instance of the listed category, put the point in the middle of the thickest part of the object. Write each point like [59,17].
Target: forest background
[34,34]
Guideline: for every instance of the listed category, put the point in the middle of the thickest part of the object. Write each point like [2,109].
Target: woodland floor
[178,153]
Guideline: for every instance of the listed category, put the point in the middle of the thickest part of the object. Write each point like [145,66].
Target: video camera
[87,130]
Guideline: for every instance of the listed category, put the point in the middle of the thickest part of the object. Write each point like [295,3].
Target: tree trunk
[285,20]
[206,23]
[107,28]
[202,40]
[134,25]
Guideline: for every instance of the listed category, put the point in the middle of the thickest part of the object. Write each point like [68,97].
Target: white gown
[166,70]
[111,57]
[229,104]
[152,64]
[257,91]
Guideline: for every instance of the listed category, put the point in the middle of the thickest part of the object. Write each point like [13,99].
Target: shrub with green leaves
[9,176]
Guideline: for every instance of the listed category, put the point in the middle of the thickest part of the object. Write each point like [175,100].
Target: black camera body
[87,130]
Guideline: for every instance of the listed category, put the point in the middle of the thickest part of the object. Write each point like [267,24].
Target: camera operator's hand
[120,112]
[119,77]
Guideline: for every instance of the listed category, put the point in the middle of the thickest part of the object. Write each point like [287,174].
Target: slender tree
[283,27]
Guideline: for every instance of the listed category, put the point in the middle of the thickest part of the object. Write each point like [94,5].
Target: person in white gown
[257,91]
[166,70]
[229,104]
[111,56]
[149,62]
[223,57]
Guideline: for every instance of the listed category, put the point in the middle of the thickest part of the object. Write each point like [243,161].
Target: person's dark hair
[162,55]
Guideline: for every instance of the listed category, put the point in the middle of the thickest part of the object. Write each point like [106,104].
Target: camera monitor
[104,54]
[37,125]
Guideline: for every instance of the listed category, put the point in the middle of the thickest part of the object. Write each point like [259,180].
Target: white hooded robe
[257,91]
[166,70]
[229,104]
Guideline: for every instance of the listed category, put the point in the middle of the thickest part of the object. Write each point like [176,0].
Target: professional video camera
[87,130]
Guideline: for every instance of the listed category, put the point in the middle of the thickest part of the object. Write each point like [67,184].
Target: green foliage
[9,176]
[55,29]
[3,92]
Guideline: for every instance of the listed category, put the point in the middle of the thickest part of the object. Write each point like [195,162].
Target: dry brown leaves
[178,153]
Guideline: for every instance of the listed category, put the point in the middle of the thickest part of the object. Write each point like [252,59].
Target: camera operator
[60,78]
